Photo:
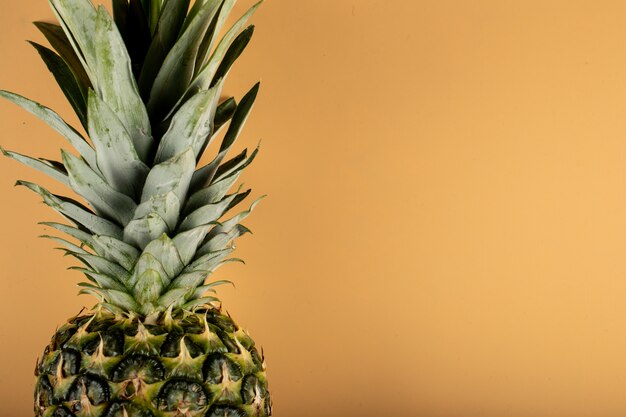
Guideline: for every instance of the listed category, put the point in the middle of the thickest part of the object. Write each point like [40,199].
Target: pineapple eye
[113,341]
[226,412]
[62,412]
[171,347]
[253,390]
[91,386]
[71,362]
[177,395]
[126,409]
[149,370]
[44,392]
[219,369]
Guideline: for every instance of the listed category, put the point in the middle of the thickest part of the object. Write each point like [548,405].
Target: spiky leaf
[142,231]
[55,122]
[165,251]
[205,77]
[117,251]
[103,281]
[211,212]
[70,85]
[60,42]
[204,263]
[221,239]
[104,199]
[104,266]
[166,206]
[116,155]
[82,236]
[75,212]
[172,175]
[39,165]
[191,126]
[177,69]
[187,242]
[117,86]
[168,28]
[219,186]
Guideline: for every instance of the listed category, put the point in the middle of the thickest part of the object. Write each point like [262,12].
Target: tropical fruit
[154,222]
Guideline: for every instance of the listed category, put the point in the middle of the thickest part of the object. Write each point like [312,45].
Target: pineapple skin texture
[176,364]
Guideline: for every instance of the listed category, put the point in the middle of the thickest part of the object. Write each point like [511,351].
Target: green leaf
[95,292]
[211,212]
[104,266]
[206,75]
[69,245]
[191,126]
[75,212]
[224,113]
[103,281]
[234,51]
[228,166]
[154,13]
[115,152]
[120,299]
[78,20]
[174,298]
[177,70]
[120,15]
[240,117]
[147,261]
[141,232]
[187,242]
[222,239]
[218,283]
[149,279]
[200,302]
[133,25]
[232,222]
[84,237]
[166,206]
[172,175]
[102,197]
[190,280]
[94,35]
[165,251]
[59,41]
[55,122]
[203,289]
[211,194]
[117,251]
[204,175]
[211,35]
[64,77]
[39,165]
[220,185]
[168,28]
[116,83]
[233,167]
[207,262]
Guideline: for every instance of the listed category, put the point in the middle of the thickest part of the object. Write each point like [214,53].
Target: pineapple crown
[146,86]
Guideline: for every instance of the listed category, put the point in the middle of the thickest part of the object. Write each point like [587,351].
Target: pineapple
[146,86]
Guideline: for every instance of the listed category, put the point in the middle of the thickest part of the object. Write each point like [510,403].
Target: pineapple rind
[180,364]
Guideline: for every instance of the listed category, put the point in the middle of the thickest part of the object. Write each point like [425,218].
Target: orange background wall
[445,233]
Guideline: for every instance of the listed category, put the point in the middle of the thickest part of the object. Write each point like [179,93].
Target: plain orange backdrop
[445,232]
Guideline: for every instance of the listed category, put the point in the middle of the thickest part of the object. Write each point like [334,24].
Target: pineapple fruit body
[172,364]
